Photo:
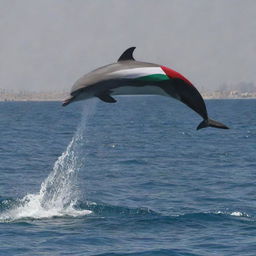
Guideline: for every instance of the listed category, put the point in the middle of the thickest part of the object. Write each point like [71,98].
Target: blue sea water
[130,178]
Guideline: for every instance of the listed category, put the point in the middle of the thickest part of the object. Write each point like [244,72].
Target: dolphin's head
[81,94]
[80,90]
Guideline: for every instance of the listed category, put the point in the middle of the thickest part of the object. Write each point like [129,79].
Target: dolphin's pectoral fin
[105,96]
[127,55]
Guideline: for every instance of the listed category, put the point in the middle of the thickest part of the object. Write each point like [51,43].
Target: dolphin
[130,77]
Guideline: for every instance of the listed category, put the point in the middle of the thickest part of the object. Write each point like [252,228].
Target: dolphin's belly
[139,90]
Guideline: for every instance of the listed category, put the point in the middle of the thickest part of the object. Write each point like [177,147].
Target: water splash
[59,193]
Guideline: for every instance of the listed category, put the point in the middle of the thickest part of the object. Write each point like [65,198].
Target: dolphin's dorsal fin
[127,55]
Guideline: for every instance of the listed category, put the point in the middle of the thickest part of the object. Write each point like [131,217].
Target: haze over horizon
[49,44]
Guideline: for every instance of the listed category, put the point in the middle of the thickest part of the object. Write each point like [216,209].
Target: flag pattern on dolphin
[150,74]
[130,77]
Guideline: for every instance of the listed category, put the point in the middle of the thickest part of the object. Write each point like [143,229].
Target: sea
[130,178]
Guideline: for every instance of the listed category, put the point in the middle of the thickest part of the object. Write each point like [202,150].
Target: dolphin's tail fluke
[211,123]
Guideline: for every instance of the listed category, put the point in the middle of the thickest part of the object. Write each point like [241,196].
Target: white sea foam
[58,194]
[239,214]
[236,213]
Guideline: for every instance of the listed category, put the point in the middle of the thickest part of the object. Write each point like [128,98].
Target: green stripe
[154,77]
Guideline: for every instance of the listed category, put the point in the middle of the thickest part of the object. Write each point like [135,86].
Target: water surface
[131,178]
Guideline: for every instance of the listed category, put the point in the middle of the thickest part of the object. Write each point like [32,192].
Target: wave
[102,209]
[106,210]
[29,208]
[146,214]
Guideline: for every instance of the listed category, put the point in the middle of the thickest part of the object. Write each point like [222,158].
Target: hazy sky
[48,44]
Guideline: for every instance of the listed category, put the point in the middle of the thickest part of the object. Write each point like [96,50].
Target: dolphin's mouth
[67,101]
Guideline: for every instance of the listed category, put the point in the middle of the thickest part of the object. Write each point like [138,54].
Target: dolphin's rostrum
[129,77]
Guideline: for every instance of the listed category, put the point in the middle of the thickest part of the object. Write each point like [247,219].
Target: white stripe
[138,72]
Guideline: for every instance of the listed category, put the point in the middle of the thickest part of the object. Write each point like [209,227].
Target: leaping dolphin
[130,77]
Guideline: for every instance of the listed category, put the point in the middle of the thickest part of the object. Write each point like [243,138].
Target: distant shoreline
[61,100]
[8,95]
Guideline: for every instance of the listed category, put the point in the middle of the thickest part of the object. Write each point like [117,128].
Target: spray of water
[59,193]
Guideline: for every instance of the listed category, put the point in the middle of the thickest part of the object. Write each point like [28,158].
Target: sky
[48,44]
